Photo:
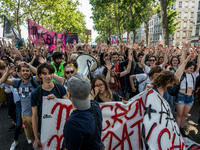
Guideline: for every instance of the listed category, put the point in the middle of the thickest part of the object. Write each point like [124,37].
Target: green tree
[56,15]
[168,17]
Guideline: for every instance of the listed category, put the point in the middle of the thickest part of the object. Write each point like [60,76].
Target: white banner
[145,122]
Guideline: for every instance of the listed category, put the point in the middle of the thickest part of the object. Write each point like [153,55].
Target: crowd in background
[124,70]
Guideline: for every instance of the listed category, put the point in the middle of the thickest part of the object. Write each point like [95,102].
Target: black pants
[11,106]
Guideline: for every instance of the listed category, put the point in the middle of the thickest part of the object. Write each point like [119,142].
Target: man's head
[115,57]
[17,61]
[78,90]
[57,57]
[46,72]
[25,72]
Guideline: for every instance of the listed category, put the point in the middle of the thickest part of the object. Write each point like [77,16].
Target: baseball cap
[73,56]
[57,54]
[79,87]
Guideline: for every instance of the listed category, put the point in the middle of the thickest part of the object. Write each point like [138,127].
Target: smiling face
[174,61]
[190,69]
[46,76]
[113,72]
[25,73]
[152,61]
[115,58]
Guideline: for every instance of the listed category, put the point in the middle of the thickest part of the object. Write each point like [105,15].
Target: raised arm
[198,59]
[184,52]
[4,78]
[146,51]
[59,79]
[131,79]
[182,67]
[108,66]
[129,65]
[165,51]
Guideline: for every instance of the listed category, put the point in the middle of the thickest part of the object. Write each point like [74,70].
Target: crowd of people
[31,72]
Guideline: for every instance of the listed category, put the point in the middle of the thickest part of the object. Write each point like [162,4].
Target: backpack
[173,90]
[32,83]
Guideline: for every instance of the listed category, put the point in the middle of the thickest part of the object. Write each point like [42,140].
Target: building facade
[184,32]
[196,25]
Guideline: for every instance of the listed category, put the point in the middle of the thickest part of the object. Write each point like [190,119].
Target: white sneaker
[14,145]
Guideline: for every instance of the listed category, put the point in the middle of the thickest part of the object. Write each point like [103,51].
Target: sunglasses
[4,59]
[67,72]
[152,60]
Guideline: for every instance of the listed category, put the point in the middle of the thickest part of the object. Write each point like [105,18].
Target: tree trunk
[18,25]
[164,22]
[127,35]
[134,34]
[146,24]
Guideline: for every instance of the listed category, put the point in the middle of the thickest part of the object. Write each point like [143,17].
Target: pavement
[191,125]
[6,137]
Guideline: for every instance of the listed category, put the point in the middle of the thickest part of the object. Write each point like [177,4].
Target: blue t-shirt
[34,99]
[24,92]
[165,95]
[80,128]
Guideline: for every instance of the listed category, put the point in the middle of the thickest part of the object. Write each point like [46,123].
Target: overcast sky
[84,7]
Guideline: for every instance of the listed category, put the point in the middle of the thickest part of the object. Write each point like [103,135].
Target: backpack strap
[33,84]
[95,117]
[19,84]
[39,95]
[58,89]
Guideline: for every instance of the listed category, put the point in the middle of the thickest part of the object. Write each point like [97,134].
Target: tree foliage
[56,15]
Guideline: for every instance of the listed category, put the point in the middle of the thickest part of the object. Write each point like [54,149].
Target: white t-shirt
[190,82]
[143,79]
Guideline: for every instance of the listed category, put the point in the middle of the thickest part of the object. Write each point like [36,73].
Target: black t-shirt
[34,99]
[80,128]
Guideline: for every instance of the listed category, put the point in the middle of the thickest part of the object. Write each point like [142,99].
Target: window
[191,25]
[199,6]
[197,31]
[190,34]
[184,24]
[198,17]
[184,34]
[193,4]
[177,34]
[179,15]
[180,4]
[192,14]
[185,14]
[186,4]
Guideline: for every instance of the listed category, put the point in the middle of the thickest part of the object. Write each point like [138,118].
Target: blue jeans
[184,99]
[18,120]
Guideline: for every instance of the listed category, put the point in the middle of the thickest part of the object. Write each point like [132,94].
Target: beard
[26,77]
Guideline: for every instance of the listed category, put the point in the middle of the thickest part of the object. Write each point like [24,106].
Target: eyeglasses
[152,60]
[100,85]
[67,72]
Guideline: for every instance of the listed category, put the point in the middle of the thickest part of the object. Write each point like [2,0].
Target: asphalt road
[6,137]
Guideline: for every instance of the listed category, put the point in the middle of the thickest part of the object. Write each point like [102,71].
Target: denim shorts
[184,99]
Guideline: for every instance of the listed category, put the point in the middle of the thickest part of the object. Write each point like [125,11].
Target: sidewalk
[191,125]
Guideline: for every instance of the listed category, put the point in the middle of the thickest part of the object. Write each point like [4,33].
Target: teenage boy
[48,88]
[83,128]
[24,87]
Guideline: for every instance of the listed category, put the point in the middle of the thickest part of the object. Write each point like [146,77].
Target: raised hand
[146,50]
[11,69]
[165,49]
[108,65]
[42,60]
[185,47]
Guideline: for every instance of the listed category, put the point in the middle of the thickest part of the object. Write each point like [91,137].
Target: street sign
[87,32]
